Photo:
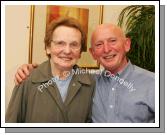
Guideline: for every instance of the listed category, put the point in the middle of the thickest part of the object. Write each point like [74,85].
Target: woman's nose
[67,49]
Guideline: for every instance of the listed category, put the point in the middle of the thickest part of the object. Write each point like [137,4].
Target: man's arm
[23,72]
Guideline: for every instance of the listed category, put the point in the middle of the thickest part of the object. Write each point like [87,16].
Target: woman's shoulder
[41,73]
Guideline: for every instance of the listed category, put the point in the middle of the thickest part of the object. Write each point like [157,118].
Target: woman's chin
[66,67]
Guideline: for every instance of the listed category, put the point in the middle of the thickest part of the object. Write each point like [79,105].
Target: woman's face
[65,47]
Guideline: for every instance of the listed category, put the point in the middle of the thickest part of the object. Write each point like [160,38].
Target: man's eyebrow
[112,38]
[74,41]
[99,41]
[107,39]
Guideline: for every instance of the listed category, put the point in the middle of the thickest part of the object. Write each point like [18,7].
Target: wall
[111,13]
[17,19]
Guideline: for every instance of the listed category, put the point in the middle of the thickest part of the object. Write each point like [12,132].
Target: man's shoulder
[143,73]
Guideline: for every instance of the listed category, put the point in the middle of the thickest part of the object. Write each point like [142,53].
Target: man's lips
[108,57]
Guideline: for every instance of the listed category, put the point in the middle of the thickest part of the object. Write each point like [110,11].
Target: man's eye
[112,40]
[98,45]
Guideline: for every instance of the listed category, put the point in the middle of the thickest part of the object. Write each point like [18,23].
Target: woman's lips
[66,58]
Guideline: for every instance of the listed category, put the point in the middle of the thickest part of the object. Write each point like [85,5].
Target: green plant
[139,22]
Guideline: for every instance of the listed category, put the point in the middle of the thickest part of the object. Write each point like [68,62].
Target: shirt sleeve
[151,102]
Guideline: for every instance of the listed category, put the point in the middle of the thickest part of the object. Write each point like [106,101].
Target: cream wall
[111,13]
[16,43]
[17,38]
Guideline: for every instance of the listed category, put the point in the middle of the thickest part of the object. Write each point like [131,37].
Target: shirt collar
[126,71]
[123,73]
[69,76]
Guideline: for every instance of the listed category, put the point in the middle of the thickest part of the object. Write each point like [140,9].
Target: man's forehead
[110,28]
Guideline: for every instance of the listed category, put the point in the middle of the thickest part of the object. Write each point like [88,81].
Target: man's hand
[23,72]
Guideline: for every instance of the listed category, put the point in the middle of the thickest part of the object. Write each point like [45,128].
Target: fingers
[31,66]
[28,69]
[18,79]
[23,72]
[34,65]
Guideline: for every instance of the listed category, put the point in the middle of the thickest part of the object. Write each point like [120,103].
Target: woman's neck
[57,71]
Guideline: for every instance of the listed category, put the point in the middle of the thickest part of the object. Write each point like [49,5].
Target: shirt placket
[111,116]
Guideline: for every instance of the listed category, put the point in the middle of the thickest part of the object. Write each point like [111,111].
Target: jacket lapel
[54,92]
[75,85]
[43,76]
[72,90]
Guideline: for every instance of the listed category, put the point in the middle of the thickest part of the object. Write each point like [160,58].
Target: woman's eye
[74,45]
[61,43]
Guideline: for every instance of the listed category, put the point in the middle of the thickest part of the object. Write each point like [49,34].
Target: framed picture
[89,17]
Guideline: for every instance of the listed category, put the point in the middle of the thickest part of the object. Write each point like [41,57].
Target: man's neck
[120,68]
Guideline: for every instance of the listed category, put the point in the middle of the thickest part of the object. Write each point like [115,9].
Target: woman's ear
[47,50]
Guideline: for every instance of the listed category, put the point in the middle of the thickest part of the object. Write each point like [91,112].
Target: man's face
[65,48]
[109,48]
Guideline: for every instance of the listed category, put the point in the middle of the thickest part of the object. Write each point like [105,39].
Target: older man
[124,92]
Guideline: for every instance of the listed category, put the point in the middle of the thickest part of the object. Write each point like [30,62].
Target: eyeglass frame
[56,43]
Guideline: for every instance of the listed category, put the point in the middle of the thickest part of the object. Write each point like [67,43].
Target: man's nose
[106,47]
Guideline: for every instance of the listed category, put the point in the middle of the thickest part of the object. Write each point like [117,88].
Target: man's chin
[107,65]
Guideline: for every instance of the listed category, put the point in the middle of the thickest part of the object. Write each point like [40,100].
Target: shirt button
[111,106]
[113,89]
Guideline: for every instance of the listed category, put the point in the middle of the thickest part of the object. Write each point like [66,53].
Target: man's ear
[92,53]
[127,44]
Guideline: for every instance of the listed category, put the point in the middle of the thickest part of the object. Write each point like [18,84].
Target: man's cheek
[98,53]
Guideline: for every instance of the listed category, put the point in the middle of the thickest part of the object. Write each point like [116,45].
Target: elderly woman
[48,94]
